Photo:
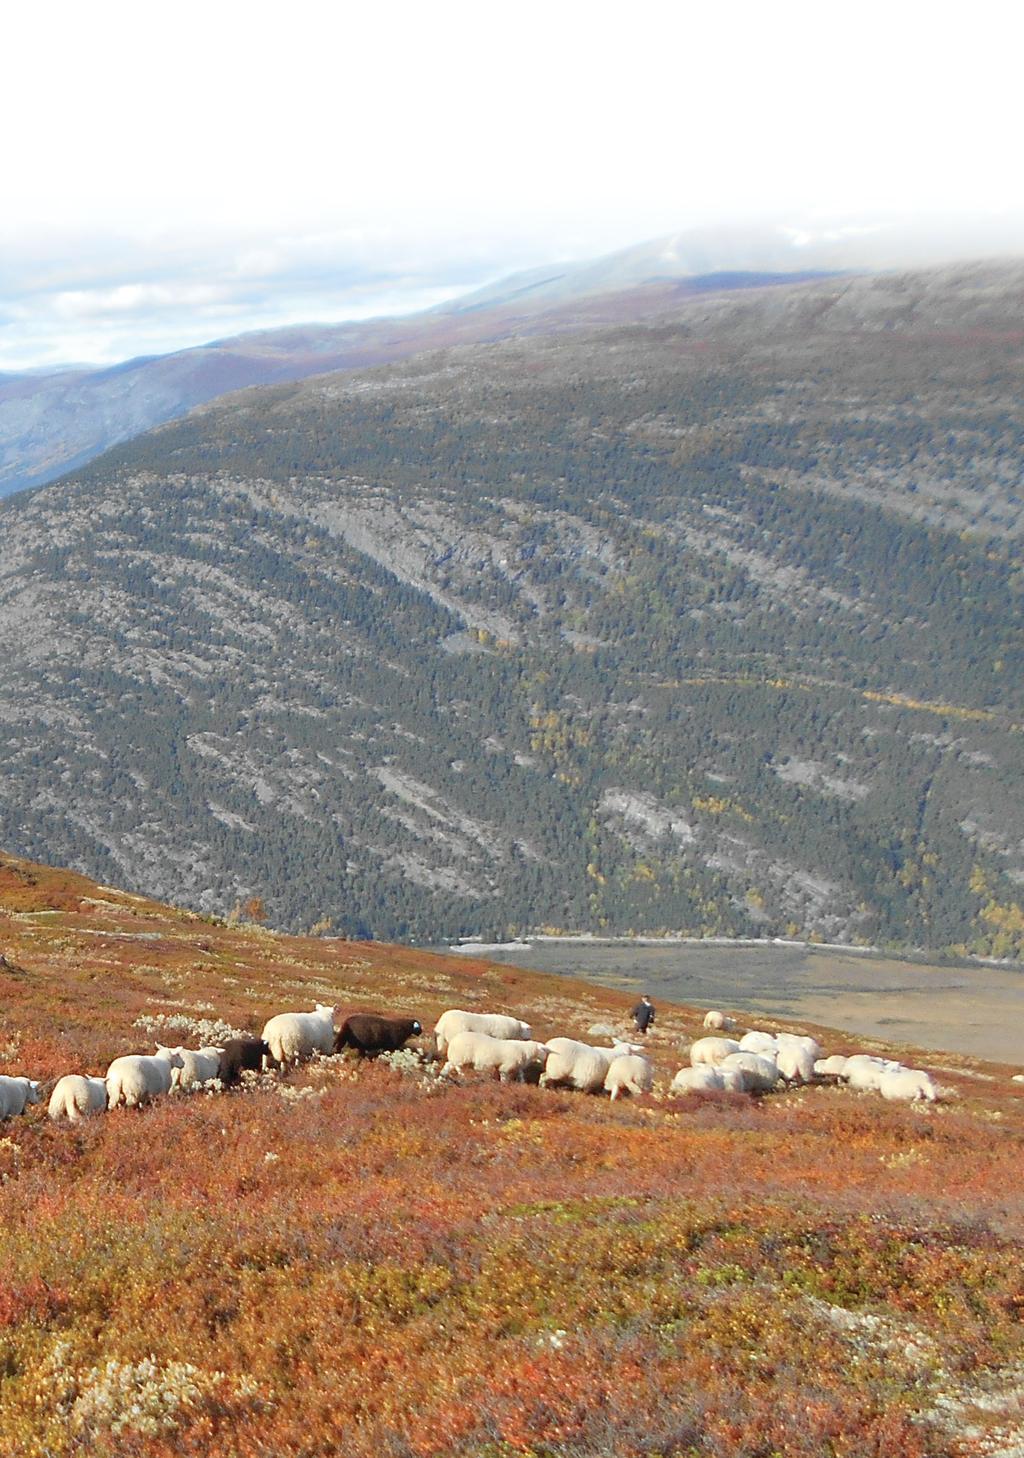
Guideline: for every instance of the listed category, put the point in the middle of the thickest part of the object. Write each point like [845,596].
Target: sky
[173,174]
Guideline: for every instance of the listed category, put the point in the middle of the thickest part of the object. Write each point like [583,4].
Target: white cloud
[137,298]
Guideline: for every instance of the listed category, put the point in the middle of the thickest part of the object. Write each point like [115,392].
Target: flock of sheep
[490,1043]
[758,1062]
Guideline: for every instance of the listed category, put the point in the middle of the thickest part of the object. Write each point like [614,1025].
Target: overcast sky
[173,174]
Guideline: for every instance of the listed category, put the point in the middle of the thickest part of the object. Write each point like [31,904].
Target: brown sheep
[242,1053]
[371,1033]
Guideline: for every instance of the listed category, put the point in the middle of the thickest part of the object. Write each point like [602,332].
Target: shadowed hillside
[363,1258]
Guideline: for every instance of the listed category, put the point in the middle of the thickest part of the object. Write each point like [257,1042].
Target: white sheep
[909,1084]
[198,1066]
[734,1080]
[629,1074]
[832,1067]
[712,1050]
[758,1073]
[799,1040]
[758,1042]
[509,1058]
[292,1036]
[138,1077]
[75,1096]
[15,1093]
[795,1063]
[864,1072]
[494,1025]
[703,1079]
[577,1064]
[718,1022]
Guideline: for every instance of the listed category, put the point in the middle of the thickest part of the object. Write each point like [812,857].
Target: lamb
[509,1058]
[758,1073]
[579,1065]
[198,1066]
[75,1096]
[703,1079]
[15,1094]
[494,1025]
[629,1074]
[371,1033]
[718,1022]
[293,1036]
[909,1084]
[242,1054]
[138,1077]
[712,1050]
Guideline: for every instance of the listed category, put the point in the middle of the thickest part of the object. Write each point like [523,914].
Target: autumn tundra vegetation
[359,1256]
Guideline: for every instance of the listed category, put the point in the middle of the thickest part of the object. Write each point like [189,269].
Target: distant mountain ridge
[52,423]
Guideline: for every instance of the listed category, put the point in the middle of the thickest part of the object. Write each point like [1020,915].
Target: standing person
[643,1014]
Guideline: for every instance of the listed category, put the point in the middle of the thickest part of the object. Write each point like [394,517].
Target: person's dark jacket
[643,1015]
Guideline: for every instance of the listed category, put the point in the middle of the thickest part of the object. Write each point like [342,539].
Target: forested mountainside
[710,623]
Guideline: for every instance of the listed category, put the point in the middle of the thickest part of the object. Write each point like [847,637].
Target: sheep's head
[417,1027]
[33,1094]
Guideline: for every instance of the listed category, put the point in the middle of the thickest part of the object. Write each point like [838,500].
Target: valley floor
[973,1009]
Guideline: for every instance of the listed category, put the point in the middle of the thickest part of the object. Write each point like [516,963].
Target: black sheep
[242,1053]
[371,1033]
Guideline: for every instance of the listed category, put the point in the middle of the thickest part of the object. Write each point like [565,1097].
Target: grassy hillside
[361,1260]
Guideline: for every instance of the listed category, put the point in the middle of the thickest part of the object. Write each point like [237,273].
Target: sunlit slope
[361,1259]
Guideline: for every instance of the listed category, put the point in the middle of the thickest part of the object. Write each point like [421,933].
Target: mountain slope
[707,623]
[507,1269]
